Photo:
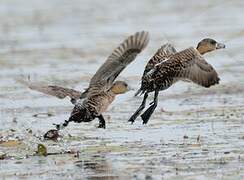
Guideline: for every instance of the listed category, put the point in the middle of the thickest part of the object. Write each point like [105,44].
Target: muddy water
[195,133]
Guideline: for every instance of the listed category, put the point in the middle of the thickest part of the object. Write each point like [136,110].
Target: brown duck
[168,66]
[102,89]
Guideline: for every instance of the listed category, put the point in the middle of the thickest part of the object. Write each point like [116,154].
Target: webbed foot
[101,125]
[147,114]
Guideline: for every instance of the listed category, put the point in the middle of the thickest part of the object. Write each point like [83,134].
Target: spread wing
[200,72]
[162,53]
[122,56]
[189,64]
[57,91]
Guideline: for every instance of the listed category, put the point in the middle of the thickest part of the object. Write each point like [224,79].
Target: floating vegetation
[41,150]
[52,134]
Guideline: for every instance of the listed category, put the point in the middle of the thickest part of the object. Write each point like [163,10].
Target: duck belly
[105,102]
[158,84]
[99,104]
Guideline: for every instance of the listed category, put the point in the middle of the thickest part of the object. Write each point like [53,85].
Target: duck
[102,90]
[168,66]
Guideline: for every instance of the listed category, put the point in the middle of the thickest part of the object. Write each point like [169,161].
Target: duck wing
[164,52]
[57,91]
[122,56]
[199,71]
[189,64]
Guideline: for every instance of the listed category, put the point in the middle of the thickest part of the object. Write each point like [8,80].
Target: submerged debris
[2,156]
[14,120]
[52,135]
[43,115]
[185,137]
[29,131]
[198,138]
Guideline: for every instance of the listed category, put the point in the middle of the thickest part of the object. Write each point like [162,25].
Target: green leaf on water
[41,150]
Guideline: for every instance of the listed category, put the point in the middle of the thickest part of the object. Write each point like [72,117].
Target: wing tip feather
[137,41]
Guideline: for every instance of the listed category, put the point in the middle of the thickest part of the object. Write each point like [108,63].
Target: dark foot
[139,110]
[102,125]
[73,101]
[132,119]
[147,114]
[57,126]
[62,126]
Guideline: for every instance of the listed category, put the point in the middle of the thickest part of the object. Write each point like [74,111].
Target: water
[195,133]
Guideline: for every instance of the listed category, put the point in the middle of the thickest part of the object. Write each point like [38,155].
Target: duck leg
[73,101]
[147,114]
[62,126]
[102,123]
[139,110]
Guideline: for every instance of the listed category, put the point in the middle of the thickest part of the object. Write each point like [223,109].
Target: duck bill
[220,46]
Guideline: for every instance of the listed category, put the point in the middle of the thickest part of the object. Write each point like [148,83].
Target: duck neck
[111,93]
[201,49]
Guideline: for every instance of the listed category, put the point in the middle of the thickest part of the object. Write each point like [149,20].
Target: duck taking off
[168,66]
[102,87]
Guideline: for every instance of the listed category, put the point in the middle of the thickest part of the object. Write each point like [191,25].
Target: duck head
[120,87]
[208,45]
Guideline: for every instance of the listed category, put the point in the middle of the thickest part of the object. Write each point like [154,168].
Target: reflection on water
[96,168]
